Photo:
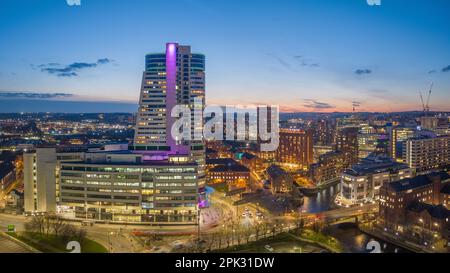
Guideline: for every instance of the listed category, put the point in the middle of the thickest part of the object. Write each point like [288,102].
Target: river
[352,239]
[323,201]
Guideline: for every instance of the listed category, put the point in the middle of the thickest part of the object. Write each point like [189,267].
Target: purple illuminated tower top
[174,77]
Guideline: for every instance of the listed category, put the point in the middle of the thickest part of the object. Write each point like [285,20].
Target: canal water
[323,201]
[352,239]
[355,241]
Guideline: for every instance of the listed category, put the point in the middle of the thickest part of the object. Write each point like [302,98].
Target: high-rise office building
[159,179]
[427,153]
[176,77]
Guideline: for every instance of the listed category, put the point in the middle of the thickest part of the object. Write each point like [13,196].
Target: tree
[80,235]
[257,230]
[68,232]
[58,224]
[36,225]
[248,234]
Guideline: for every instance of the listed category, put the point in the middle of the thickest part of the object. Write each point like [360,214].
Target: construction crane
[426,107]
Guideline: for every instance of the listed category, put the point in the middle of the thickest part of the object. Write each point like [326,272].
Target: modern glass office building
[175,77]
[158,179]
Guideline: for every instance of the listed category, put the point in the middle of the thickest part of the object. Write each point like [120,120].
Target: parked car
[269,248]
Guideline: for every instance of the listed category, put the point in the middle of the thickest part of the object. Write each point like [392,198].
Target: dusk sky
[304,55]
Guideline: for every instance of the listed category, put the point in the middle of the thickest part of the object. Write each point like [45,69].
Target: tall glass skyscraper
[175,77]
[160,179]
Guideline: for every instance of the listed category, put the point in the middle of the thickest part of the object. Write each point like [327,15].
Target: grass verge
[52,244]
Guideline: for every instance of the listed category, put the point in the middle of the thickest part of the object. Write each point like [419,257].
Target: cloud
[432,71]
[293,66]
[314,104]
[363,71]
[32,95]
[446,69]
[378,91]
[70,70]
[281,61]
[356,103]
[305,62]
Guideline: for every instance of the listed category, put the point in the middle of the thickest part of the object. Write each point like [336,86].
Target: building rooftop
[372,166]
[230,168]
[275,171]
[437,212]
[221,161]
[417,182]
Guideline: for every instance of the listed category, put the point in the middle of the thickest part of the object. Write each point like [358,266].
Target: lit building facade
[175,77]
[414,207]
[41,177]
[329,168]
[119,190]
[397,138]
[157,180]
[347,142]
[363,181]
[295,148]
[235,176]
[281,183]
[427,153]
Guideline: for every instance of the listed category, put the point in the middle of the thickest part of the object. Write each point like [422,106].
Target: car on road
[87,223]
[268,248]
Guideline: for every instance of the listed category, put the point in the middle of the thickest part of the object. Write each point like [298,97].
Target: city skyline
[380,58]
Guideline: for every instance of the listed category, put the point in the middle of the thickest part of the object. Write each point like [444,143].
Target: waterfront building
[329,168]
[363,181]
[281,183]
[414,207]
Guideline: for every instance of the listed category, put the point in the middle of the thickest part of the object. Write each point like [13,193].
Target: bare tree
[80,235]
[248,234]
[36,225]
[68,232]
[57,224]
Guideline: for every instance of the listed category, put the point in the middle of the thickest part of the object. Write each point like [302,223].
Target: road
[115,238]
[9,246]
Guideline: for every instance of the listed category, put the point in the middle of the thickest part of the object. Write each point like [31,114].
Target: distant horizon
[17,106]
[306,56]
